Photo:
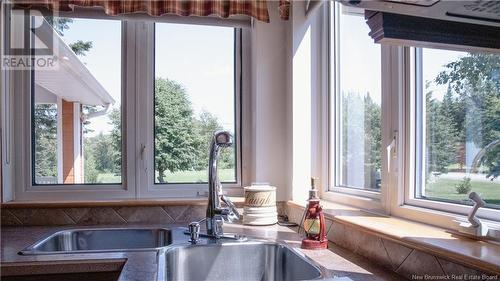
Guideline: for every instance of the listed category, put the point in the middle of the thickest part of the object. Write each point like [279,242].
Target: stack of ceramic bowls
[260,205]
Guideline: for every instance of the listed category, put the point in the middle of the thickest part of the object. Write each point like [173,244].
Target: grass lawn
[445,189]
[108,178]
[225,175]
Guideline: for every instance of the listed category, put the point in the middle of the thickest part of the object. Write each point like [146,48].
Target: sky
[360,58]
[199,57]
[358,49]
[433,61]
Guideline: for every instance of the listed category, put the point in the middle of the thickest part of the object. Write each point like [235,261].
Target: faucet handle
[233,213]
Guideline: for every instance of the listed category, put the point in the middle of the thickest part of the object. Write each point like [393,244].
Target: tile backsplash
[102,215]
[407,262]
[156,214]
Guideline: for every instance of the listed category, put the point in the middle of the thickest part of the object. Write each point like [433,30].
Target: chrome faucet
[216,214]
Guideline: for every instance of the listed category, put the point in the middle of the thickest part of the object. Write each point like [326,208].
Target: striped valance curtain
[223,8]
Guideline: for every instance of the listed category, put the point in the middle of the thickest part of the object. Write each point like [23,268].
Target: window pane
[460,144]
[357,105]
[194,96]
[76,106]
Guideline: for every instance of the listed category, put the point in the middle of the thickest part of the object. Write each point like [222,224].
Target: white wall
[285,71]
[305,110]
[270,55]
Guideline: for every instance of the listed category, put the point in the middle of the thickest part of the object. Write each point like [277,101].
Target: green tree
[116,139]
[360,123]
[45,125]
[475,82]
[373,137]
[60,25]
[175,141]
[440,136]
[206,125]
[80,47]
[89,167]
[102,149]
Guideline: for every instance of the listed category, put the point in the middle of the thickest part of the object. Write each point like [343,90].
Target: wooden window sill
[434,240]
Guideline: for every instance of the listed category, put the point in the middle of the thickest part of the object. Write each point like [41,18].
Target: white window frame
[137,72]
[425,210]
[24,189]
[396,197]
[145,136]
[367,199]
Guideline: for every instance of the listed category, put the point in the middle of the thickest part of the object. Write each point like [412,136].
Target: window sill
[433,240]
[113,203]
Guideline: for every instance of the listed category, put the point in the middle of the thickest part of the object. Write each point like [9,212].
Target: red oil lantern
[314,222]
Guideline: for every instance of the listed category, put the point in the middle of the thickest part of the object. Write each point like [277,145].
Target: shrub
[464,186]
[90,172]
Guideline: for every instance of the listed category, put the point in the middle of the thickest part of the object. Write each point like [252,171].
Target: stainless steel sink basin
[101,240]
[246,261]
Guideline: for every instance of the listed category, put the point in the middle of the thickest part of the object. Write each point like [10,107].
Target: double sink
[209,259]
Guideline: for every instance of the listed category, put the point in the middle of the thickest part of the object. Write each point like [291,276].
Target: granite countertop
[142,265]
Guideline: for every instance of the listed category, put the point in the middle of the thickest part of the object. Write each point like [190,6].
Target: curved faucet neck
[213,180]
[215,212]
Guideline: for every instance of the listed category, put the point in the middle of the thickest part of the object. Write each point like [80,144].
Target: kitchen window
[200,84]
[119,119]
[455,130]
[355,105]
[65,125]
[76,109]
[193,85]
[411,131]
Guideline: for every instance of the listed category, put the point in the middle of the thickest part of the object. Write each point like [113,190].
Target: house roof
[71,80]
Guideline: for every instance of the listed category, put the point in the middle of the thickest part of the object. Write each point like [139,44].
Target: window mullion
[387,68]
[129,106]
[144,98]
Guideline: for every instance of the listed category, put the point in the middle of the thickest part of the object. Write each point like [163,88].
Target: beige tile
[336,233]
[9,219]
[101,216]
[76,213]
[193,213]
[175,211]
[295,214]
[281,208]
[452,268]
[144,214]
[328,225]
[397,253]
[371,246]
[49,216]
[420,264]
[345,236]
[367,245]
[345,263]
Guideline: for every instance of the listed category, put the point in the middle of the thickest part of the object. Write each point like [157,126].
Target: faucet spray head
[223,139]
